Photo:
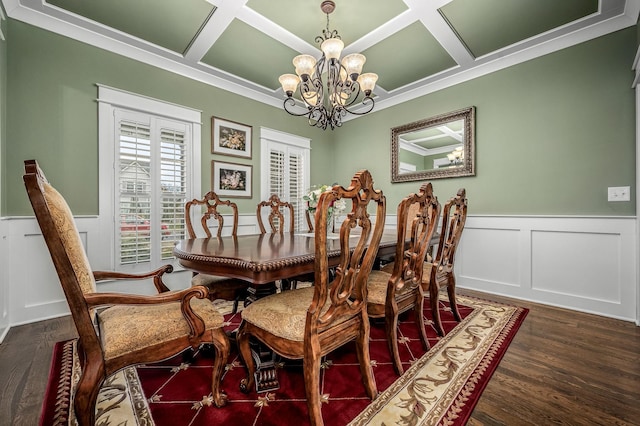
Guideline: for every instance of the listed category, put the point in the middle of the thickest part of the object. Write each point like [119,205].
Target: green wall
[53,116]
[551,134]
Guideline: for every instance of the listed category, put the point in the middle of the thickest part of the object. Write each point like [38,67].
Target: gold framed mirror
[438,147]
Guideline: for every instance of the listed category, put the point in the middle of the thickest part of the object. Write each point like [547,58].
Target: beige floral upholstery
[388,268]
[207,280]
[63,219]
[128,328]
[377,287]
[283,314]
[426,272]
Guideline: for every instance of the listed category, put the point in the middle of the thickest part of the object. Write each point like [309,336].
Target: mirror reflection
[437,147]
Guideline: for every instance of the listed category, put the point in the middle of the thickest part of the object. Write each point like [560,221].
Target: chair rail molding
[582,263]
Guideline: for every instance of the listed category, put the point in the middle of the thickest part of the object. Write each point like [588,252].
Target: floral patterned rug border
[440,387]
[443,386]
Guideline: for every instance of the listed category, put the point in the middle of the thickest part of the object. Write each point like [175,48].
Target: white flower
[339,205]
[313,196]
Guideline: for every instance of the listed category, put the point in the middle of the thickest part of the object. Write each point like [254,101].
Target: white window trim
[109,99]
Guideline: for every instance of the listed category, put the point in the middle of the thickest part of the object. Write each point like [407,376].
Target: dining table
[263,259]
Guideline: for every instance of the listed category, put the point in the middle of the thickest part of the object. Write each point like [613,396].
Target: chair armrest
[196,324]
[156,275]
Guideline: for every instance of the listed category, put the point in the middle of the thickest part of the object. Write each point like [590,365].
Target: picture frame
[231,179]
[230,138]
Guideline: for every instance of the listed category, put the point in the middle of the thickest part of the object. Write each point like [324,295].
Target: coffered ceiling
[415,46]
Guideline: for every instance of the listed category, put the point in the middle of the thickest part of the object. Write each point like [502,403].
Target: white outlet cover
[619,193]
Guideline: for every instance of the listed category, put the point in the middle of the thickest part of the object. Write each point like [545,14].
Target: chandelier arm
[292,102]
[366,101]
[318,117]
[352,91]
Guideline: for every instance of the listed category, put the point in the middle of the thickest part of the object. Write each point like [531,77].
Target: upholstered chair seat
[377,287]
[426,275]
[131,328]
[284,314]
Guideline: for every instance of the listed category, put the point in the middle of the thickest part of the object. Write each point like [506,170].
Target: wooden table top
[262,258]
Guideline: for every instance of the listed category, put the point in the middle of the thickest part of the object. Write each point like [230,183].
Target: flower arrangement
[313,196]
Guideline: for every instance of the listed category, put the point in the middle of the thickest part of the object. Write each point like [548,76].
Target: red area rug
[439,387]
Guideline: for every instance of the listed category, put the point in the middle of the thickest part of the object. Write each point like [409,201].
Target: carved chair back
[345,295]
[417,221]
[454,216]
[276,215]
[211,203]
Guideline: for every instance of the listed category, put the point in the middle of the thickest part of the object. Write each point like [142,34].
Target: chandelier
[456,156]
[329,87]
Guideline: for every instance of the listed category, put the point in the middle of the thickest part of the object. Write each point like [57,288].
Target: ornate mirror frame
[466,166]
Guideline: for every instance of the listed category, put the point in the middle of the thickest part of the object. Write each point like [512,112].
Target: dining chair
[116,330]
[440,272]
[395,291]
[277,212]
[310,322]
[212,215]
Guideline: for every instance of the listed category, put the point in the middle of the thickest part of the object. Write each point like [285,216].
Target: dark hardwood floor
[562,368]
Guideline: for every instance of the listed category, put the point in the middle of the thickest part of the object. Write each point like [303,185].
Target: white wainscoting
[582,263]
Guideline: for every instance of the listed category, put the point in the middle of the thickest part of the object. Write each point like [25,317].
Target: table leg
[266,376]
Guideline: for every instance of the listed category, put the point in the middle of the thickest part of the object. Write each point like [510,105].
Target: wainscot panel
[582,263]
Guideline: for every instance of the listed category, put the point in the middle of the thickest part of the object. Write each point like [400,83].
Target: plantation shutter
[287,177]
[173,188]
[134,200]
[152,176]
[297,186]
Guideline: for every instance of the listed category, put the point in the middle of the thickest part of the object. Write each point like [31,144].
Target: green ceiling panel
[166,23]
[241,45]
[476,21]
[416,55]
[353,19]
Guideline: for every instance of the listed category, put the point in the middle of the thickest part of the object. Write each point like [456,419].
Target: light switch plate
[619,193]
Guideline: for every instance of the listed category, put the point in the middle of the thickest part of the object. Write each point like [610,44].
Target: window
[149,155]
[286,170]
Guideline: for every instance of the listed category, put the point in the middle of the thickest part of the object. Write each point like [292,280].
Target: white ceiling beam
[218,22]
[435,23]
[276,32]
[385,30]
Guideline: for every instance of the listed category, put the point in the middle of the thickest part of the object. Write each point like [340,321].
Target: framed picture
[231,179]
[230,138]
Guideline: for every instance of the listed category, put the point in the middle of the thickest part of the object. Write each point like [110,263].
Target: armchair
[118,330]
